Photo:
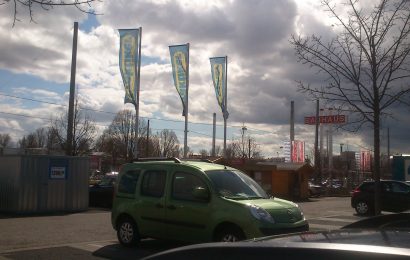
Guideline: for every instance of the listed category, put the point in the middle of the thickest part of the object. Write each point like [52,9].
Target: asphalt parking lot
[89,235]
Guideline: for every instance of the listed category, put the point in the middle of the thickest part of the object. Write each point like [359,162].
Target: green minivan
[195,201]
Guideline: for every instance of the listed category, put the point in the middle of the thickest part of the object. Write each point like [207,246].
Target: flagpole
[226,101]
[186,108]
[137,101]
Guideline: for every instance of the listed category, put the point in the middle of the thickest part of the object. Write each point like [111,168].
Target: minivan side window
[153,183]
[183,185]
[128,182]
[400,188]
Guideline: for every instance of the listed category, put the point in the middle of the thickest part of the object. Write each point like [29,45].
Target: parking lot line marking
[348,221]
[106,242]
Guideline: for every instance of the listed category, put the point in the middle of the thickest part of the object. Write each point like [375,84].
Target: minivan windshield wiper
[242,197]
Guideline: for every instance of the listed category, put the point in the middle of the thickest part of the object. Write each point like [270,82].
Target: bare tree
[119,139]
[5,140]
[84,131]
[122,133]
[233,150]
[29,141]
[168,143]
[218,151]
[46,138]
[244,147]
[84,6]
[366,65]
[204,153]
[41,137]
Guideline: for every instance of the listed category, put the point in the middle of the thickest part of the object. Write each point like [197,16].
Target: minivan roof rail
[198,160]
[153,159]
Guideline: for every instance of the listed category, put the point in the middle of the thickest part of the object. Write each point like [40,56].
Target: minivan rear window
[128,182]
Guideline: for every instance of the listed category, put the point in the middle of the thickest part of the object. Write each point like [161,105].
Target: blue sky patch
[90,23]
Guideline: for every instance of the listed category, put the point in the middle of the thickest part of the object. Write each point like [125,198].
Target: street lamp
[243,144]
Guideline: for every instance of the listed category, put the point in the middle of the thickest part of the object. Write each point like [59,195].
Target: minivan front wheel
[127,232]
[230,234]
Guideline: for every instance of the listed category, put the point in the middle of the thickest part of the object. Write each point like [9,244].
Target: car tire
[230,234]
[362,208]
[127,232]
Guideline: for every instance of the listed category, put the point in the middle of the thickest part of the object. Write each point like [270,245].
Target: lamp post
[243,144]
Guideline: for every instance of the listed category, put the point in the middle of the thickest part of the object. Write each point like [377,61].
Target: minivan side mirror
[200,193]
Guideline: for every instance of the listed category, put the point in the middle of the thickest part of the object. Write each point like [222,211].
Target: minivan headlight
[261,214]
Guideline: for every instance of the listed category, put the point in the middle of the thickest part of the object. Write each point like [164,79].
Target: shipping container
[43,183]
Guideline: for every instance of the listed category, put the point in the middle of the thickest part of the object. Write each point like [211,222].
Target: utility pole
[292,128]
[70,123]
[330,149]
[321,148]
[147,146]
[317,156]
[249,148]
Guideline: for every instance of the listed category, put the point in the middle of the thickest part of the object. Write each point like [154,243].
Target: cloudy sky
[35,60]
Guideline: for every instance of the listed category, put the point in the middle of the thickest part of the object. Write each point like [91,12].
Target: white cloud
[253,34]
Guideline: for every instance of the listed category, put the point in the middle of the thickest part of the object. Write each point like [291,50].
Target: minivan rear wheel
[127,232]
[362,208]
[230,234]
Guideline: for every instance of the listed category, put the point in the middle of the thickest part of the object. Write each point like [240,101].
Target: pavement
[89,235]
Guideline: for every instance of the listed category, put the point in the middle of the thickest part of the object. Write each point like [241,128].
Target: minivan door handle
[159,205]
[172,207]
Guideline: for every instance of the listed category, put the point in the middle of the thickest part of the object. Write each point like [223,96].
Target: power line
[199,133]
[29,116]
[113,113]
[30,99]
[37,117]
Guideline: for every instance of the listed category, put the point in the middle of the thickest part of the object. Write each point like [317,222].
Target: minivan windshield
[236,185]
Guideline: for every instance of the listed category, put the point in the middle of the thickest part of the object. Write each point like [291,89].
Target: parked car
[395,197]
[335,244]
[101,193]
[333,184]
[196,201]
[315,190]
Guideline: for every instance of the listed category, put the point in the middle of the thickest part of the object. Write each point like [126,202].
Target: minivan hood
[282,211]
[269,204]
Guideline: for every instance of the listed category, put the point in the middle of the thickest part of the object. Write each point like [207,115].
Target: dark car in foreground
[101,193]
[336,244]
[395,197]
[389,221]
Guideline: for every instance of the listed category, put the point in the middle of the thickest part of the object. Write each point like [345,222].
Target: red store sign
[331,119]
